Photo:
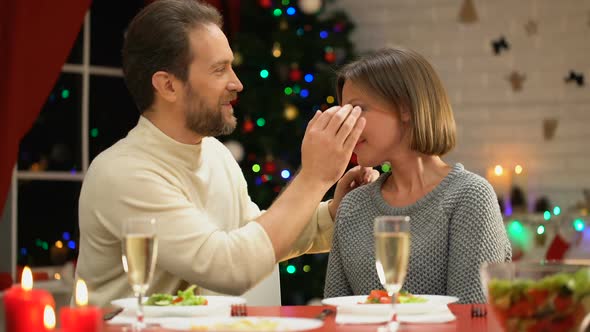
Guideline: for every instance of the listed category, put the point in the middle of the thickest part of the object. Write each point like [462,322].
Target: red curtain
[230,9]
[35,39]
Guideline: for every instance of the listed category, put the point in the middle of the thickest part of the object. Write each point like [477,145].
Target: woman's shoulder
[472,201]
[469,190]
[465,182]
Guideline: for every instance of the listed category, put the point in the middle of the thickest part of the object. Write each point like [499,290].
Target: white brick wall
[497,125]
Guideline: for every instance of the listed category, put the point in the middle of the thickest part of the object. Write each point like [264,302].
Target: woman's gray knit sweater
[453,230]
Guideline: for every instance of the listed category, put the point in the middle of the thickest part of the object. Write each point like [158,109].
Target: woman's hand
[353,178]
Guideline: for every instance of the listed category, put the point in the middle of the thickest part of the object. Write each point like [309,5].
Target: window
[87,111]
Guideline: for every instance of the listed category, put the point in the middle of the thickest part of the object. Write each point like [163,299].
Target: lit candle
[26,308]
[500,179]
[58,253]
[520,181]
[49,317]
[83,318]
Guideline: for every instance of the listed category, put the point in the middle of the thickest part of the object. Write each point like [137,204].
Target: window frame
[85,69]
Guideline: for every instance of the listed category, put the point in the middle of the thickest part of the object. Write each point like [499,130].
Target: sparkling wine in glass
[392,252]
[140,247]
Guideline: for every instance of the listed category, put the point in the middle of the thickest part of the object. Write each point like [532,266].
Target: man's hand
[354,178]
[326,149]
[327,145]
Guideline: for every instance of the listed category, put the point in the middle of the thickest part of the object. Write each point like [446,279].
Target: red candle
[82,318]
[27,309]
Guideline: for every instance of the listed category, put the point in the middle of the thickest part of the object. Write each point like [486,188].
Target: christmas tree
[286,53]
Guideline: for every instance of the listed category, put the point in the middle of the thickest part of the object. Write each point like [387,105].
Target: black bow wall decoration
[578,78]
[499,45]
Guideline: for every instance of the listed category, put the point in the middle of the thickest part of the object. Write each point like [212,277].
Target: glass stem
[393,301]
[394,316]
[139,323]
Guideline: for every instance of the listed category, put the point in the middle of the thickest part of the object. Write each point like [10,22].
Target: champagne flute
[392,252]
[140,248]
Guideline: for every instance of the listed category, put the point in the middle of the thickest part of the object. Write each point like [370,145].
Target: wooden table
[464,322]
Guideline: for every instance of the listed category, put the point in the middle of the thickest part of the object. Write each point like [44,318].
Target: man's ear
[165,86]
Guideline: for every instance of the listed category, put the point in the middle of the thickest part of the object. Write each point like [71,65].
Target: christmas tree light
[547,215]
[300,47]
[579,225]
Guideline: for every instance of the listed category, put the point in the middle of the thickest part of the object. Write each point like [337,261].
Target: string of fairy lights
[520,228]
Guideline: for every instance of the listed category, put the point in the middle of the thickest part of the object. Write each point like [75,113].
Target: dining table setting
[521,296]
[387,310]
[313,318]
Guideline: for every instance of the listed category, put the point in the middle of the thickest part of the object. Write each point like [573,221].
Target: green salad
[555,303]
[381,296]
[185,297]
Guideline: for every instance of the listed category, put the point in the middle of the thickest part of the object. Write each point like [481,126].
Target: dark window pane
[109,20]
[75,56]
[112,112]
[54,142]
[47,213]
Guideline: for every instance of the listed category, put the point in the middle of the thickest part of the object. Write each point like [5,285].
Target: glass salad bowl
[539,296]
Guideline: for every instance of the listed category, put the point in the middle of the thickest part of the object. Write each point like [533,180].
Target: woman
[456,223]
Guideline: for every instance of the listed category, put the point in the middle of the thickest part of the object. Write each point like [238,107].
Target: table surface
[464,321]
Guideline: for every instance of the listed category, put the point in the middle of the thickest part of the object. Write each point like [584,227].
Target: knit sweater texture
[453,230]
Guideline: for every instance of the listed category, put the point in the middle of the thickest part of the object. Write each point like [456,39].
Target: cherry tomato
[385,299]
[561,303]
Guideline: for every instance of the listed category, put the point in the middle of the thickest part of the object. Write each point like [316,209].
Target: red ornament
[270,167]
[339,27]
[557,248]
[295,75]
[277,189]
[265,3]
[248,126]
[330,57]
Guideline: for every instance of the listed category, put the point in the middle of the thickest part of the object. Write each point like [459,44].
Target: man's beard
[205,120]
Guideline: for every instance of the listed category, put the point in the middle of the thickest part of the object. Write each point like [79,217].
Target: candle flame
[81,293]
[49,317]
[518,169]
[26,280]
[498,170]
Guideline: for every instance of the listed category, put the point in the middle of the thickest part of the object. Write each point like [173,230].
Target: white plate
[221,324]
[217,306]
[434,303]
